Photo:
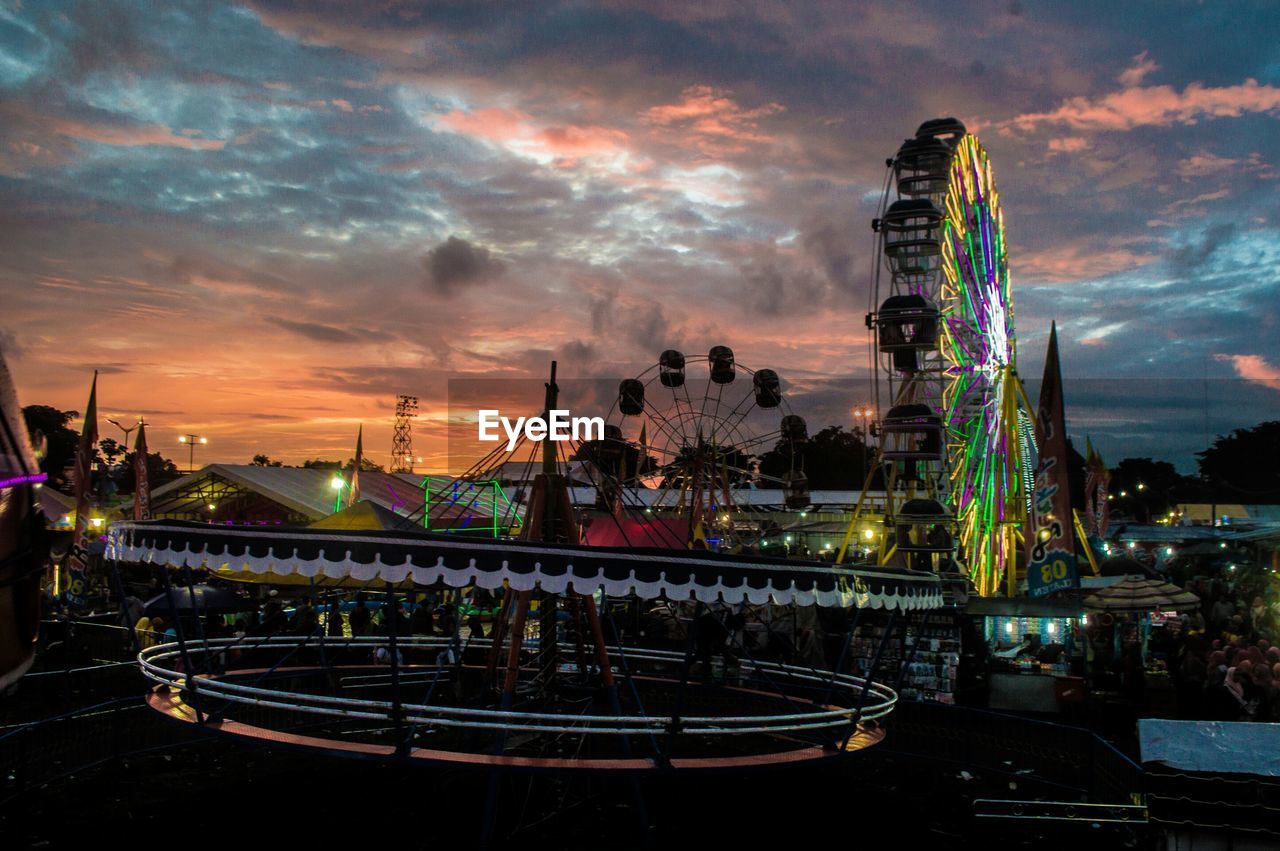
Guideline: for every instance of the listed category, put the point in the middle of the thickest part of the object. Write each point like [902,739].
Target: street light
[863,416]
[126,431]
[191,440]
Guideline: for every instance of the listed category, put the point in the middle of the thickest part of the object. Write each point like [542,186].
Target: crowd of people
[337,617]
[1223,657]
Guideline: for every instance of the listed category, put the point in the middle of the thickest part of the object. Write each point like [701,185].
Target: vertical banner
[1097,514]
[78,557]
[1051,551]
[142,486]
[354,494]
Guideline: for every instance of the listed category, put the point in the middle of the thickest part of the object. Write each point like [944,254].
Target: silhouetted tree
[159,471]
[1244,466]
[833,459]
[264,461]
[1144,489]
[60,440]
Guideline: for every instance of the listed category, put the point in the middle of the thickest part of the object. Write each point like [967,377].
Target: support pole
[182,646]
[691,645]
[866,682]
[397,710]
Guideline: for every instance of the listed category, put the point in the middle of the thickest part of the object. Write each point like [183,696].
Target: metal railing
[865,701]
[36,753]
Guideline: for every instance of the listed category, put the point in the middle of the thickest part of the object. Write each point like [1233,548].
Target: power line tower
[402,436]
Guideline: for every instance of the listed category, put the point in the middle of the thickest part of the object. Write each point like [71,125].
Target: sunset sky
[261,222]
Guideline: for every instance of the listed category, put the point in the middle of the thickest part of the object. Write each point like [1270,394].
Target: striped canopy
[343,556]
[1138,594]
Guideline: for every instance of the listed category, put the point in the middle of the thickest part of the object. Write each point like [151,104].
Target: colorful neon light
[986,430]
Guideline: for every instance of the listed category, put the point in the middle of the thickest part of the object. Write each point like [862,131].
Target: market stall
[1122,618]
[1033,651]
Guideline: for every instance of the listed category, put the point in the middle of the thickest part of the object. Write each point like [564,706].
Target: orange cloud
[144,134]
[492,124]
[1135,73]
[1203,164]
[571,140]
[1254,368]
[713,120]
[1082,260]
[1158,106]
[1068,145]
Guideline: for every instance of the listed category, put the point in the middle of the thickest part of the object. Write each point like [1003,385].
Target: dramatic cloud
[456,263]
[277,183]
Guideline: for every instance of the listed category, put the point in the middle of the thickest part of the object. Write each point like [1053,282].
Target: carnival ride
[957,434]
[570,695]
[683,450]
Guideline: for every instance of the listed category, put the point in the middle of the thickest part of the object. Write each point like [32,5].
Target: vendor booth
[1033,652]
[1125,619]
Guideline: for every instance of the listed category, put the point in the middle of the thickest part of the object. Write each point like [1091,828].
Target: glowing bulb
[868,534]
[182,439]
[204,440]
[336,483]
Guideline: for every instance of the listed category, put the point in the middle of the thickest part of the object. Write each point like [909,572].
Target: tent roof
[364,514]
[307,490]
[1139,594]
[457,561]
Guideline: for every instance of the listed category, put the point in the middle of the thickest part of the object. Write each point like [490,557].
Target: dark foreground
[207,791]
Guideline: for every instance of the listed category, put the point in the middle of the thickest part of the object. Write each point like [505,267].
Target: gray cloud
[319,331]
[456,263]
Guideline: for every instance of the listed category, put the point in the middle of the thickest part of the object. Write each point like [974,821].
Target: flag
[1097,477]
[142,487]
[78,557]
[1050,539]
[354,494]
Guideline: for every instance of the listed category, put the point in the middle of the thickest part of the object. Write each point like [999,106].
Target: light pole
[191,440]
[126,431]
[863,416]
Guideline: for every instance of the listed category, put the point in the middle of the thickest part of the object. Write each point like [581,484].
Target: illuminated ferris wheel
[956,435]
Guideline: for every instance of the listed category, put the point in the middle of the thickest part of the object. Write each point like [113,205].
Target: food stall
[1033,651]
[1121,619]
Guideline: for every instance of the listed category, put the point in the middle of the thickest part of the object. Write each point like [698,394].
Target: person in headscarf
[142,629]
[1239,683]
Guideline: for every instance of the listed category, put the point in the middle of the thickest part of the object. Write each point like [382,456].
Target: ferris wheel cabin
[906,325]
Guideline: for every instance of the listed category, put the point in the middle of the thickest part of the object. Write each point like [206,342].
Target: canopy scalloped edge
[556,568]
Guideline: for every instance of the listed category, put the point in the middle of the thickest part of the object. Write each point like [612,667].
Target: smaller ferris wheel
[691,439]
